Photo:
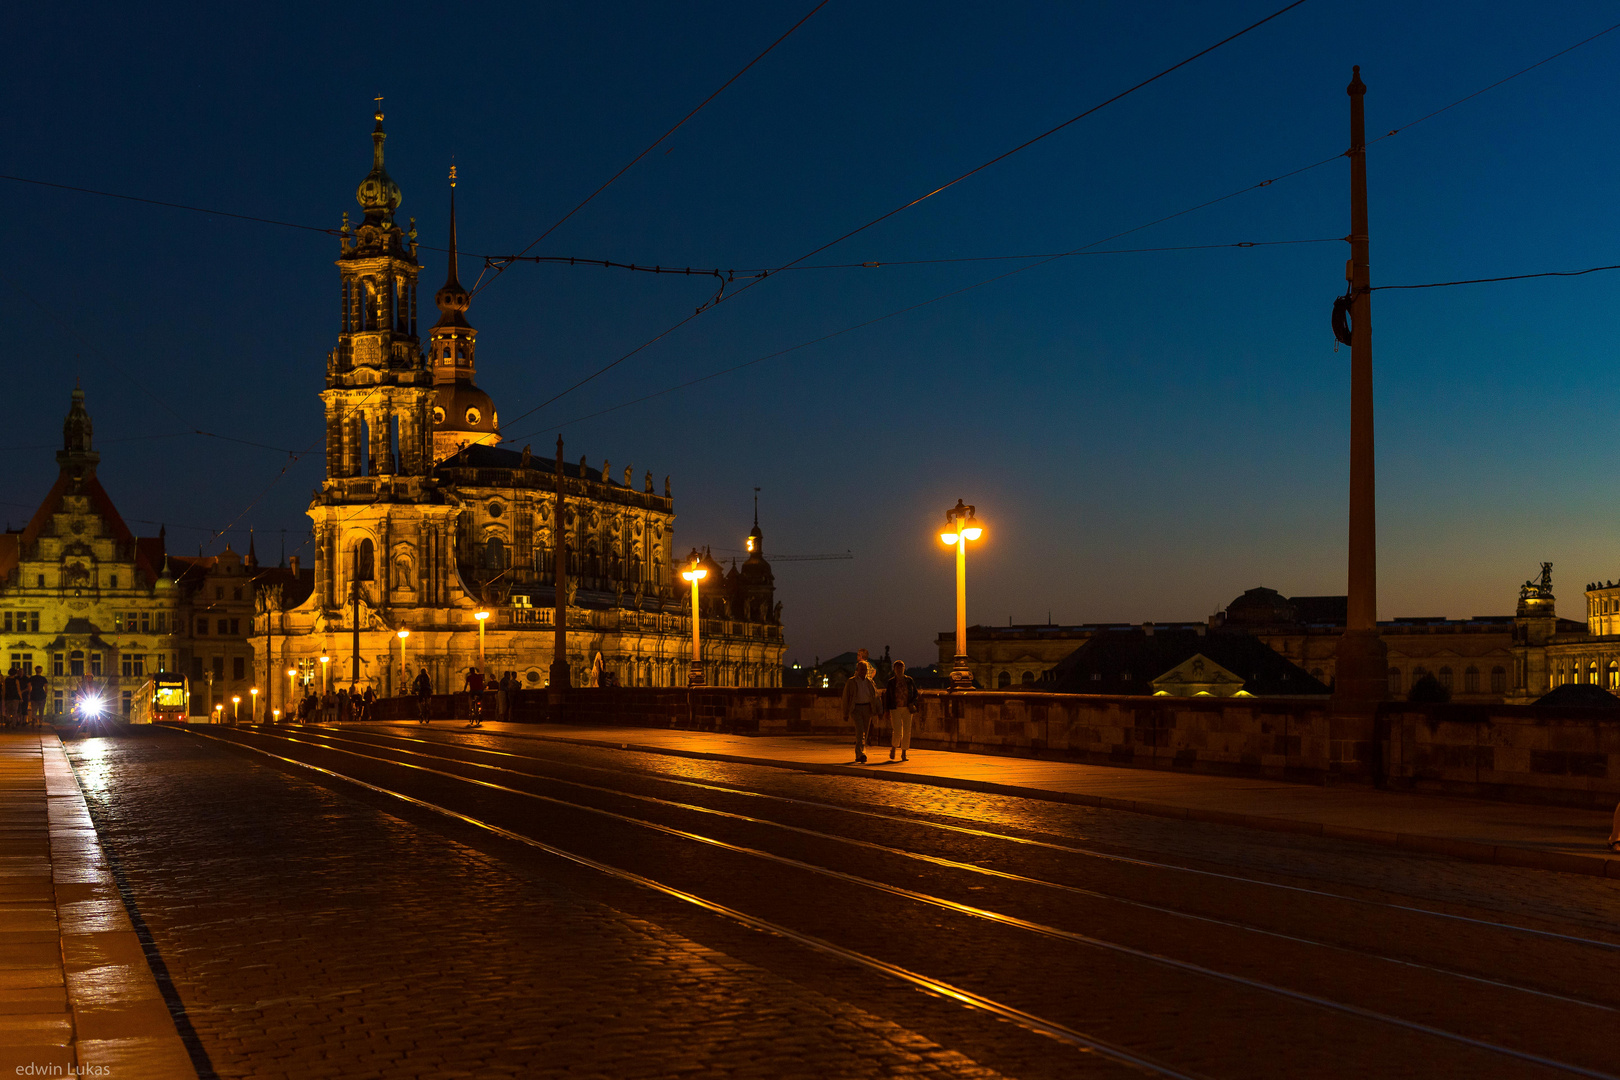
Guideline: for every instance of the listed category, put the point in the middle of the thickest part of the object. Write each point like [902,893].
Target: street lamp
[292,688]
[236,708]
[275,716]
[326,687]
[481,616]
[404,686]
[696,574]
[961,525]
[253,708]
[219,713]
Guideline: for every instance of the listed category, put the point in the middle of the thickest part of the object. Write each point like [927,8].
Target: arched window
[1394,680]
[1614,675]
[1445,677]
[1004,680]
[494,554]
[1591,673]
[1027,679]
[365,561]
[1471,680]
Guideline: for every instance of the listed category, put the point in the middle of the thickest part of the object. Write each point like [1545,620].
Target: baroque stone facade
[423,519]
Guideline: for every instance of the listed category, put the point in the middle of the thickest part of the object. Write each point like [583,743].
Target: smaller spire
[453,299]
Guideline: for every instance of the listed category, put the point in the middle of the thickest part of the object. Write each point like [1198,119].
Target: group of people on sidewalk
[330,708]
[476,687]
[865,701]
[22,697]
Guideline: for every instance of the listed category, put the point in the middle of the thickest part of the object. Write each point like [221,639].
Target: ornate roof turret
[453,299]
[377,194]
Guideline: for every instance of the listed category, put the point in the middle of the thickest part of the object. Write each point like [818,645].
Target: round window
[438,415]
[472,416]
[495,509]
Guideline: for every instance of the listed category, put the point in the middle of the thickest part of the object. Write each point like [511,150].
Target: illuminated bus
[162,699]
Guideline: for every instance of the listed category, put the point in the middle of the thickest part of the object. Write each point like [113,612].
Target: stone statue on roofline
[1542,590]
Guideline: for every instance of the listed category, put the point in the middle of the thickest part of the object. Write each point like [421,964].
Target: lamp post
[695,574]
[275,716]
[326,685]
[236,708]
[253,706]
[404,683]
[292,688]
[482,616]
[219,712]
[961,525]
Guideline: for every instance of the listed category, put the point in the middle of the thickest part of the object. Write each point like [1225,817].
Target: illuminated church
[422,518]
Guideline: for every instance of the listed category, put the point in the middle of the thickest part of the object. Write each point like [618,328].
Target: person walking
[899,699]
[329,703]
[13,698]
[36,695]
[474,685]
[861,700]
[424,693]
[368,703]
[509,686]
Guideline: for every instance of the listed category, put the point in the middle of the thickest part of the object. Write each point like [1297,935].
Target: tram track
[1023,879]
[329,742]
[1010,838]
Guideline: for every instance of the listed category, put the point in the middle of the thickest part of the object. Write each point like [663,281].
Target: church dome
[464,407]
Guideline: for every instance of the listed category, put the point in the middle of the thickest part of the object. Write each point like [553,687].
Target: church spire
[77,453]
[453,300]
[377,194]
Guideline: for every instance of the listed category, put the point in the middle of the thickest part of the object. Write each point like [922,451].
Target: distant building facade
[85,599]
[423,519]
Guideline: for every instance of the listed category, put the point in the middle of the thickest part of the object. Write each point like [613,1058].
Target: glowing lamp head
[291,672]
[696,572]
[326,659]
[949,536]
[403,634]
[236,699]
[479,615]
[254,691]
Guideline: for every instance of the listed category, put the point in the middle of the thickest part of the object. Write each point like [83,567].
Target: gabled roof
[148,551]
[1127,662]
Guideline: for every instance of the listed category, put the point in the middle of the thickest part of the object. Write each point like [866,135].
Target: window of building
[1096,676]
[202,627]
[146,622]
[219,669]
[129,702]
[1445,677]
[1591,673]
[1471,680]
[1394,680]
[127,664]
[223,627]
[33,621]
[1498,680]
[236,593]
[1125,676]
[114,582]
[56,702]
[41,584]
[5,622]
[75,662]
[365,561]
[219,592]
[95,664]
[196,669]
[1027,679]
[57,665]
[118,622]
[239,668]
[494,554]
[161,620]
[1614,675]
[236,626]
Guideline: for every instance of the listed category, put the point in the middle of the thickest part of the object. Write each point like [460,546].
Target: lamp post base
[694,676]
[961,676]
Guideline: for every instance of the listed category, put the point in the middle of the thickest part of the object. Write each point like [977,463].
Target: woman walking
[899,699]
[861,700]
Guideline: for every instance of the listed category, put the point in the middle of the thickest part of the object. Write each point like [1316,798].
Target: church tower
[377,384]
[462,414]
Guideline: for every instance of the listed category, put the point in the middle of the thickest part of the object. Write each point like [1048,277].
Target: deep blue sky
[1146,435]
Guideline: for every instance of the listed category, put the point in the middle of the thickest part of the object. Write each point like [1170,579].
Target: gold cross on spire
[452,176]
[379,100]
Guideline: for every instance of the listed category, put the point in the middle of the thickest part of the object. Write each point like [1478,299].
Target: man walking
[899,699]
[861,699]
[474,685]
[424,692]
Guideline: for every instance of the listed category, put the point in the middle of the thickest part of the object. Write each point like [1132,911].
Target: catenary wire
[477,288]
[1509,277]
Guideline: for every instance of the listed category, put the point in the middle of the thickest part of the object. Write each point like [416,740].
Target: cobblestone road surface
[314,928]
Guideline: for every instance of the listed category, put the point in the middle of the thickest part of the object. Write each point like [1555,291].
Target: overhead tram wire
[980,168]
[477,287]
[1026,144]
[1116,236]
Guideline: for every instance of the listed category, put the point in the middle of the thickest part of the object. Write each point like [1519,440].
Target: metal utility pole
[1361,671]
[354,679]
[559,577]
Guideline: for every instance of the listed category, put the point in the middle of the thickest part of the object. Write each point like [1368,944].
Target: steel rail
[953,864]
[1028,1021]
[999,918]
[1094,853]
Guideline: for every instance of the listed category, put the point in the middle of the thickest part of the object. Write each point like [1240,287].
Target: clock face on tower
[438,414]
[473,416]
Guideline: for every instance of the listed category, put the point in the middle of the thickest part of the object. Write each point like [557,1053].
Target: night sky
[1146,435]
